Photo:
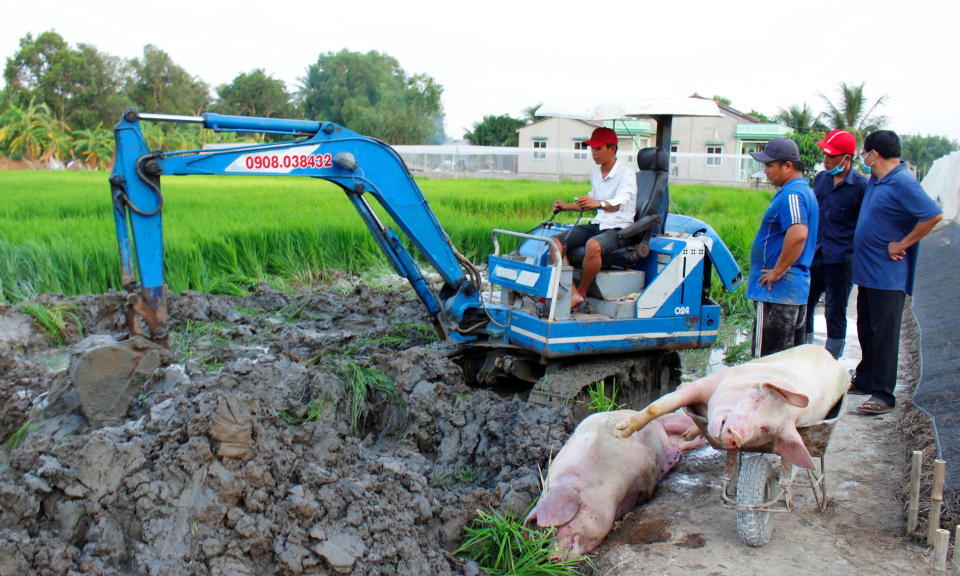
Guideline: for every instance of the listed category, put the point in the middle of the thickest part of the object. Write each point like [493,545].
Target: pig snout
[568,543]
[735,431]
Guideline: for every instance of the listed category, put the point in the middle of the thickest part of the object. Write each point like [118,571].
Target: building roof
[594,124]
[730,110]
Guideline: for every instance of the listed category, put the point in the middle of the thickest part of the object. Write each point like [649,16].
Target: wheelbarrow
[748,483]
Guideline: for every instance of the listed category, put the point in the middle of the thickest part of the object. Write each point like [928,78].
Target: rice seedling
[54,320]
[360,381]
[456,476]
[314,412]
[19,436]
[227,235]
[600,401]
[500,544]
[736,354]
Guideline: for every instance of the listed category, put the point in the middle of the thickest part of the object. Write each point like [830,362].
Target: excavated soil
[214,470]
[207,474]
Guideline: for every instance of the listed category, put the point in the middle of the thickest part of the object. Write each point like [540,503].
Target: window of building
[713,155]
[540,150]
[581,150]
[673,153]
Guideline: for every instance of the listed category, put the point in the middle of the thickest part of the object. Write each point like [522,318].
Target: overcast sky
[500,57]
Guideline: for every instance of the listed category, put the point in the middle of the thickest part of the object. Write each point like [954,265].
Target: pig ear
[558,506]
[790,445]
[531,517]
[788,394]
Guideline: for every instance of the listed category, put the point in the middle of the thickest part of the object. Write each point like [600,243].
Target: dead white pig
[597,476]
[764,399]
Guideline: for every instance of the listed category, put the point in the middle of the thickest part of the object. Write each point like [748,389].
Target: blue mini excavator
[650,300]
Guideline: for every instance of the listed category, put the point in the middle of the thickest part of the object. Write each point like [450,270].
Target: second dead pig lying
[597,476]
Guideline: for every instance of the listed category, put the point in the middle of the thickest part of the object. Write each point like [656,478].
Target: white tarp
[942,184]
[636,108]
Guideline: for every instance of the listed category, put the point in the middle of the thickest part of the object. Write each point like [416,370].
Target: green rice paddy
[228,234]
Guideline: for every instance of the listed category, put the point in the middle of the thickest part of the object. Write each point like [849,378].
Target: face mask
[866,167]
[838,169]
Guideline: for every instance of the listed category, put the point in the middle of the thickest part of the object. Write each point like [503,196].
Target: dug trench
[270,440]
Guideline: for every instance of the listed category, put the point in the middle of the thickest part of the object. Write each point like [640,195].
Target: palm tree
[801,120]
[530,113]
[851,114]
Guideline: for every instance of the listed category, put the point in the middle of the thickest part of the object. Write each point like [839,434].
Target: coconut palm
[915,151]
[530,113]
[851,113]
[801,120]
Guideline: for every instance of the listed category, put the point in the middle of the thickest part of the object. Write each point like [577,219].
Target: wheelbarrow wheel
[755,486]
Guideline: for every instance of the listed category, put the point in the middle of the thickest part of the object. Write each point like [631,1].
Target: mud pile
[251,455]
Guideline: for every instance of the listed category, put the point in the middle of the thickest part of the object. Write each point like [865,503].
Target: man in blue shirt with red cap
[782,252]
[839,190]
[895,215]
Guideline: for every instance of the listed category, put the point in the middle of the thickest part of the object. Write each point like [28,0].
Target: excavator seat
[652,206]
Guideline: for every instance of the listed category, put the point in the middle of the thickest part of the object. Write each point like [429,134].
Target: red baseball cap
[602,136]
[839,142]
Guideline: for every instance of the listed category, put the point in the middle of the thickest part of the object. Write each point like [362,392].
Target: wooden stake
[916,462]
[936,500]
[956,556]
[940,552]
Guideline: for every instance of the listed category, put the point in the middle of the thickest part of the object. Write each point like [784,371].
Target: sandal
[874,407]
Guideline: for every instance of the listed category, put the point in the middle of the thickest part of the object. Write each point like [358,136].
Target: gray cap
[778,149]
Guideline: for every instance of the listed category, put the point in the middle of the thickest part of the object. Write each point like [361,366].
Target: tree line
[61,101]
[853,112]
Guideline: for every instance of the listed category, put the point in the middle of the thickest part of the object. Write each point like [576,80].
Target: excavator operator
[613,194]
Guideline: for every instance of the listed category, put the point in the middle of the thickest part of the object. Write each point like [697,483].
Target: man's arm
[626,189]
[898,250]
[793,243]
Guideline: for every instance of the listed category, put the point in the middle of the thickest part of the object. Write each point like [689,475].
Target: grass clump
[737,354]
[457,476]
[313,413]
[19,436]
[500,544]
[403,335]
[599,401]
[360,381]
[54,320]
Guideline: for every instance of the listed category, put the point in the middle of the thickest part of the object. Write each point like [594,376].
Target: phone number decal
[281,162]
[287,161]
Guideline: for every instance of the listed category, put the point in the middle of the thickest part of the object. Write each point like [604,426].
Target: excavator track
[639,378]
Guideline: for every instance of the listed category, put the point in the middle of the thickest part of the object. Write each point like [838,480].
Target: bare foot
[575,300]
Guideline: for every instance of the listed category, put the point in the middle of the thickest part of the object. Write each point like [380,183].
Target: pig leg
[676,424]
[698,392]
[692,432]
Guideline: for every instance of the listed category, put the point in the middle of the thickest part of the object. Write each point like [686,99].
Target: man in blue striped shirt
[782,252]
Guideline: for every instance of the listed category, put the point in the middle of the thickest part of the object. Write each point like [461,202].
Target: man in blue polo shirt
[839,190]
[895,215]
[782,252]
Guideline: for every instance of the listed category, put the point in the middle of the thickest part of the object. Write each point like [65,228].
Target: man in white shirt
[613,194]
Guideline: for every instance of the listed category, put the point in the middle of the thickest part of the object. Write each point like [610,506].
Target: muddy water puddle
[56,359]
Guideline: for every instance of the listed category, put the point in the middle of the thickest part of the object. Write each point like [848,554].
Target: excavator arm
[361,166]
